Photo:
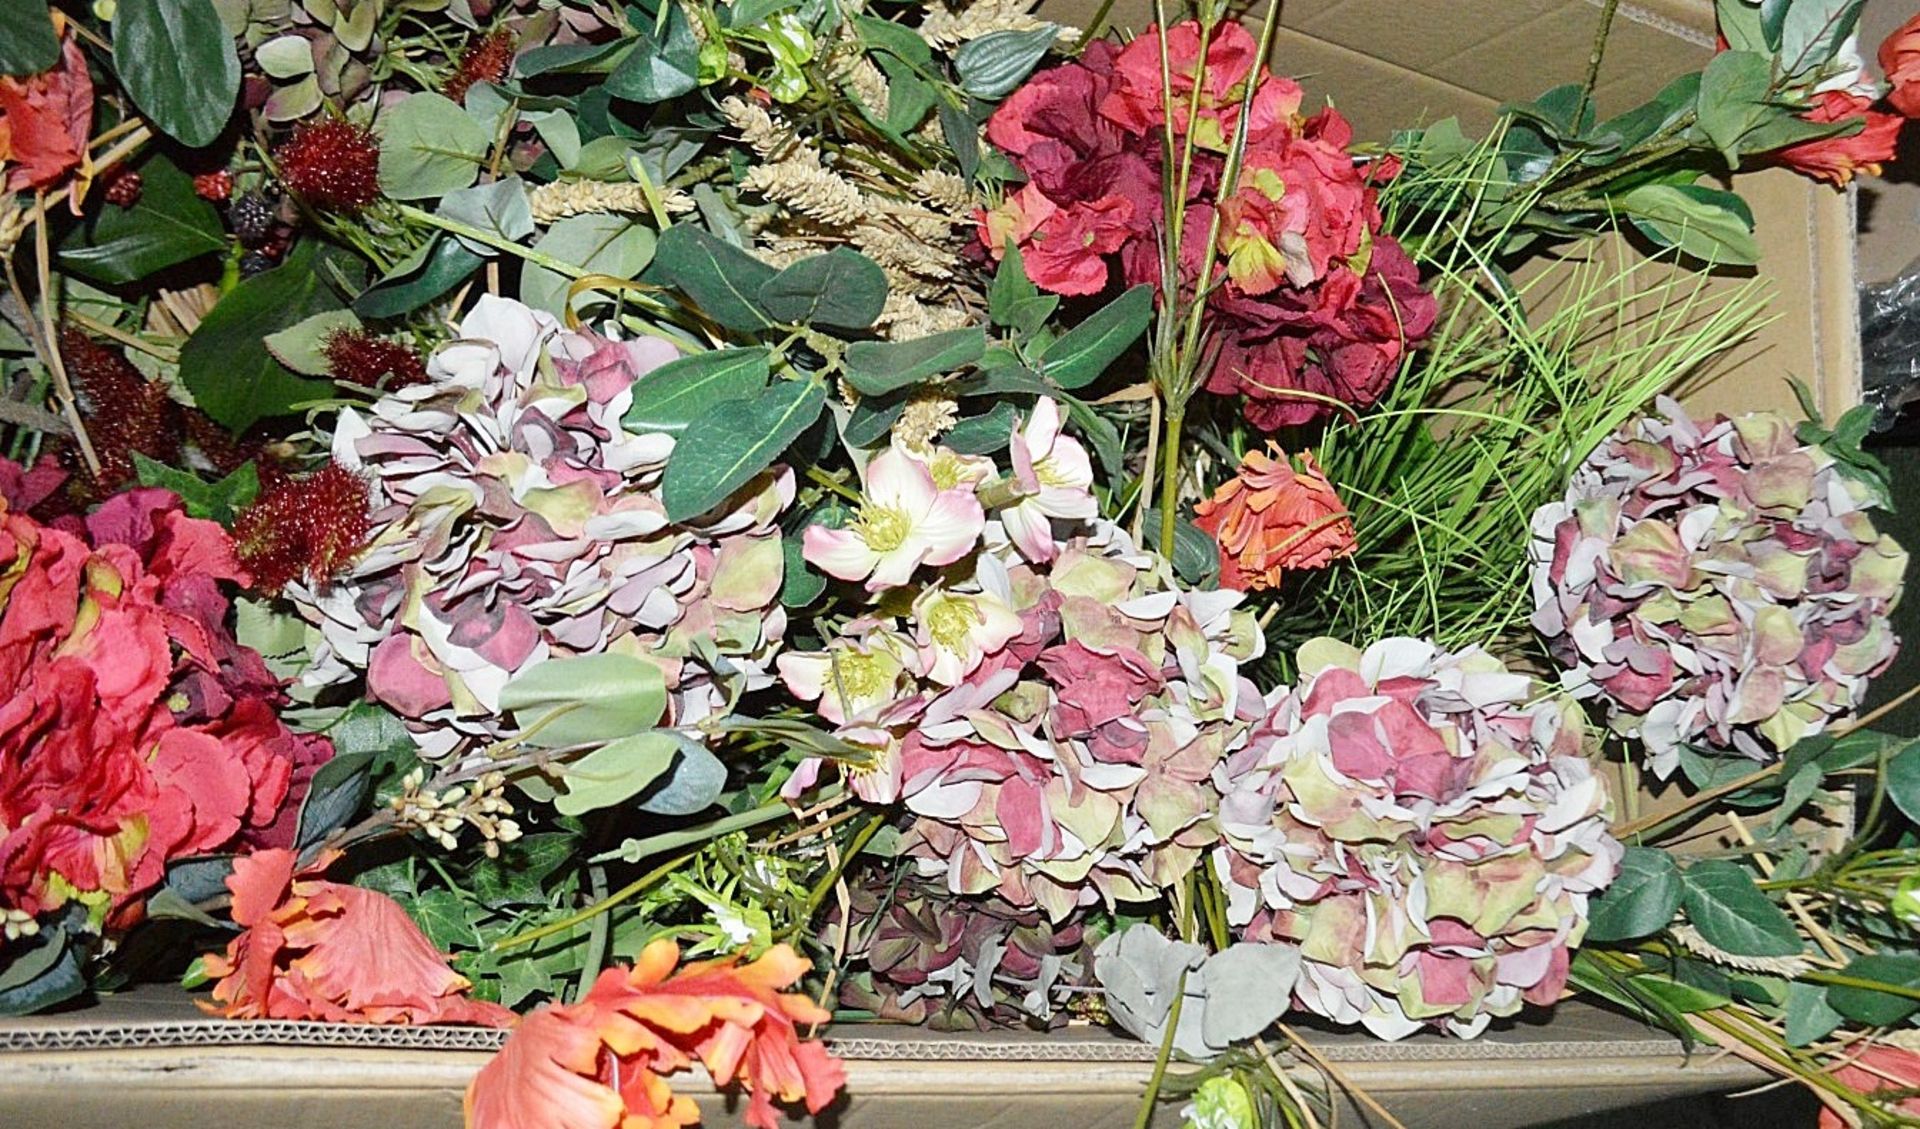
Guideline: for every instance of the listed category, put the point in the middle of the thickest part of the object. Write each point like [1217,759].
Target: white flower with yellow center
[957,630]
[1055,479]
[853,679]
[905,520]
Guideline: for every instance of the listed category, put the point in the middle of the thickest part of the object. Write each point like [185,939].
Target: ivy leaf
[721,279]
[597,243]
[429,147]
[842,289]
[226,364]
[1082,353]
[733,441]
[678,392]
[993,64]
[586,698]
[219,501]
[1642,900]
[434,269]
[878,367]
[168,225]
[1732,914]
[660,66]
[178,62]
[27,42]
[445,918]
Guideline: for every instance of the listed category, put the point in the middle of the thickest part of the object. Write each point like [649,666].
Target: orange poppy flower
[1271,517]
[320,950]
[602,1063]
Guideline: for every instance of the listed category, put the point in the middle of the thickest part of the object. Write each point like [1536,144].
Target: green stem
[1841,980]
[492,239]
[596,909]
[818,895]
[1170,476]
[1594,55]
[636,849]
[1145,1116]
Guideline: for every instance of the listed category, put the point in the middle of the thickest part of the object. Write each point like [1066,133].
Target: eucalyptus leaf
[585,698]
[983,434]
[875,368]
[1811,31]
[429,147]
[733,441]
[40,972]
[1082,353]
[199,877]
[597,243]
[616,772]
[678,392]
[500,208]
[696,780]
[178,62]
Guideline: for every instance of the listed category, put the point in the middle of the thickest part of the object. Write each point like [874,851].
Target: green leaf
[1196,555]
[842,289]
[733,441]
[616,772]
[568,58]
[678,392]
[891,37]
[367,728]
[219,501]
[1082,353]
[573,701]
[178,63]
[696,781]
[1810,31]
[226,364]
[517,877]
[597,243]
[339,790]
[1683,998]
[434,269]
[1903,780]
[1877,1008]
[983,434]
[1740,21]
[660,66]
[40,972]
[500,208]
[993,64]
[1010,286]
[909,96]
[1733,915]
[867,424]
[301,346]
[445,917]
[878,367]
[800,586]
[168,225]
[1734,99]
[721,279]
[27,42]
[1554,112]
[429,147]
[1673,102]
[1809,1018]
[962,136]
[166,902]
[1707,223]
[201,877]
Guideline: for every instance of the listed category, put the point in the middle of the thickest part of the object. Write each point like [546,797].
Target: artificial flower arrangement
[943,517]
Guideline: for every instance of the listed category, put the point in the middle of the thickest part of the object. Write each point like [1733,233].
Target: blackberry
[254,262]
[252,219]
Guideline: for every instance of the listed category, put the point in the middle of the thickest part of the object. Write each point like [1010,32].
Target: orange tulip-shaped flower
[320,950]
[602,1063]
[1271,517]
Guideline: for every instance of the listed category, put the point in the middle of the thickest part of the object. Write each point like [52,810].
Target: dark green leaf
[166,902]
[1643,121]
[909,96]
[41,972]
[434,269]
[1733,915]
[800,586]
[339,790]
[1082,353]
[1590,974]
[1010,286]
[878,367]
[963,137]
[585,698]
[733,441]
[567,58]
[664,64]
[1710,224]
[985,434]
[696,781]
[226,364]
[1741,23]
[718,277]
[842,289]
[201,877]
[1554,111]
[445,917]
[367,728]
[517,877]
[169,224]
[1733,99]
[1782,130]
[177,61]
[675,394]
[903,42]
[871,418]
[993,64]
[27,42]
[1099,433]
[1870,1006]
[1903,780]
[1809,1018]
[219,501]
[1196,555]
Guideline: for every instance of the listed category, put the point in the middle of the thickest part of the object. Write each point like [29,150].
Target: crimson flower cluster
[1318,305]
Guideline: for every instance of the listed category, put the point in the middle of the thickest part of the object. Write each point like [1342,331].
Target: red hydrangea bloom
[317,950]
[1309,295]
[138,730]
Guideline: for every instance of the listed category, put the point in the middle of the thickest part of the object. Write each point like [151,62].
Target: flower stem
[492,239]
[596,909]
[1145,1116]
[1170,475]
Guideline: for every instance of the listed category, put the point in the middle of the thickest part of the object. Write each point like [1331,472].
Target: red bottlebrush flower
[363,359]
[333,165]
[123,186]
[304,528]
[484,59]
[216,186]
[125,414]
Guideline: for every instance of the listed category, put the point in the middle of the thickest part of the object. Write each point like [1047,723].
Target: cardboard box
[1390,64]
